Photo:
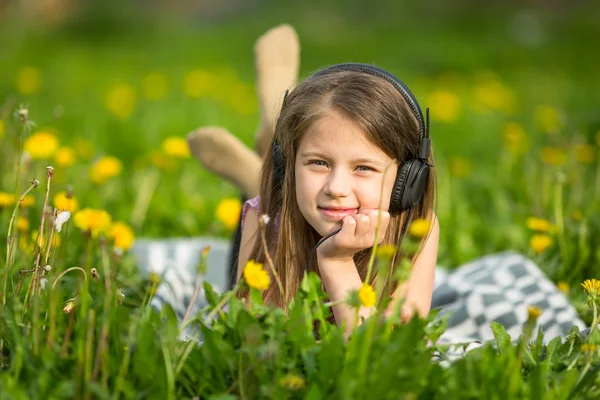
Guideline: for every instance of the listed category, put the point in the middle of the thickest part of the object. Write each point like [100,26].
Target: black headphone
[412,176]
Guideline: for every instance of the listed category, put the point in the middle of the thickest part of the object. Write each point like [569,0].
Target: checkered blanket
[498,287]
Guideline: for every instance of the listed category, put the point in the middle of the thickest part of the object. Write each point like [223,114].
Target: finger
[348,227]
[363,225]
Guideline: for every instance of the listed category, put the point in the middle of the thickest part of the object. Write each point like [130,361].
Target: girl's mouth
[337,213]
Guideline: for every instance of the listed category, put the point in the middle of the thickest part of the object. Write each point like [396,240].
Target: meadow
[515,135]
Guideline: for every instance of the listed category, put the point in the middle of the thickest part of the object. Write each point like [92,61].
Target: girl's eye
[319,163]
[364,168]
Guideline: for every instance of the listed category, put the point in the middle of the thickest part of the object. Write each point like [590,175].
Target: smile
[337,213]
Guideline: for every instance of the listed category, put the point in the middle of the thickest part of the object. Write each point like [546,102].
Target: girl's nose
[338,183]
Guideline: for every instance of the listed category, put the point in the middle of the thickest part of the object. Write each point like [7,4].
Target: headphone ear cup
[278,165]
[398,190]
[411,183]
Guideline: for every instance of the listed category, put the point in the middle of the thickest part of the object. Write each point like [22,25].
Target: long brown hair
[382,113]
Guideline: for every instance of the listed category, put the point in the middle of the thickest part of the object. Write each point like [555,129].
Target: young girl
[336,134]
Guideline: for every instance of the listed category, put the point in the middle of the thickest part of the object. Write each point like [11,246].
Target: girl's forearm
[340,277]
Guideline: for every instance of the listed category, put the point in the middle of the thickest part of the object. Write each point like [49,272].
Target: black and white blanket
[497,287]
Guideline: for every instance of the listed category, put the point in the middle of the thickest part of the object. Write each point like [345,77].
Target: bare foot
[277,61]
[224,154]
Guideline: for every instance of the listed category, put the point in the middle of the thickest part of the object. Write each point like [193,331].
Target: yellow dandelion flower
[591,287]
[539,243]
[256,276]
[1,128]
[28,80]
[419,228]
[154,86]
[105,168]
[491,94]
[228,212]
[589,348]
[533,313]
[41,145]
[585,154]
[386,251]
[292,382]
[162,161]
[120,100]
[445,105]
[64,202]
[6,199]
[515,138]
[563,287]
[176,147]
[539,224]
[65,157]
[28,201]
[22,224]
[92,221]
[122,235]
[577,215]
[549,119]
[460,167]
[155,278]
[553,155]
[367,295]
[198,83]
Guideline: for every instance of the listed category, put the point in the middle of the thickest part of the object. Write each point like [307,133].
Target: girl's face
[339,172]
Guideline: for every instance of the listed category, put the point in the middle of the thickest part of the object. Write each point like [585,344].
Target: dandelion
[27,201]
[585,154]
[577,215]
[154,86]
[198,83]
[64,201]
[155,278]
[540,242]
[41,145]
[563,287]
[228,212]
[460,167]
[419,228]
[55,239]
[256,276]
[6,199]
[92,221]
[176,147]
[539,224]
[591,287]
[95,274]
[515,138]
[548,119]
[22,224]
[64,157]
[553,155]
[445,105]
[48,268]
[292,382]
[367,295]
[60,219]
[491,94]
[120,100]
[104,169]
[533,313]
[28,80]
[589,348]
[386,251]
[43,283]
[122,235]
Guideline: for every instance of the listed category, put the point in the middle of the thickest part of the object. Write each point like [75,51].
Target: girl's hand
[358,233]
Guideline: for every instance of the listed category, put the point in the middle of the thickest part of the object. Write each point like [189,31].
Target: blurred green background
[512,87]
